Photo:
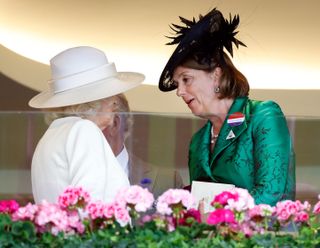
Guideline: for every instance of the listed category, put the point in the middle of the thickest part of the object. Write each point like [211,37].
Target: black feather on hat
[202,42]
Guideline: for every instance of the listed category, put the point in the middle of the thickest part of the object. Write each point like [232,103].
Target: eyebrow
[183,73]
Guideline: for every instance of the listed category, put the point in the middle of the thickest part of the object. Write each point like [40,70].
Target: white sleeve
[92,163]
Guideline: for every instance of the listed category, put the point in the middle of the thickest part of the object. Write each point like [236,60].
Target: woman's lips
[188,102]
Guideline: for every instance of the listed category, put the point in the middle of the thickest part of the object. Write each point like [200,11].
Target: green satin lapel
[204,149]
[223,141]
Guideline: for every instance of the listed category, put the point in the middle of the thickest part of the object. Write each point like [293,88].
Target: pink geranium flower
[172,198]
[121,215]
[25,213]
[221,199]
[50,217]
[257,219]
[109,210]
[243,202]
[292,210]
[193,214]
[100,210]
[104,213]
[8,206]
[260,211]
[74,197]
[136,197]
[75,222]
[95,210]
[316,208]
[301,217]
[101,214]
[221,216]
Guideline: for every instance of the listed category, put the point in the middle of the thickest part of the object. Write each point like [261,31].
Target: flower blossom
[221,216]
[243,202]
[257,219]
[121,214]
[316,208]
[74,197]
[75,222]
[145,182]
[174,197]
[222,198]
[25,213]
[8,206]
[109,212]
[96,210]
[135,196]
[261,211]
[50,217]
[292,210]
[193,214]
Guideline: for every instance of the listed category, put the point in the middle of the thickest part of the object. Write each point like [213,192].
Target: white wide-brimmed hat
[83,74]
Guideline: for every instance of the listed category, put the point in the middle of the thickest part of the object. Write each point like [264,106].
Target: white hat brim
[87,93]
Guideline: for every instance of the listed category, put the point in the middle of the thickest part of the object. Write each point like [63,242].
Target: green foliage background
[23,234]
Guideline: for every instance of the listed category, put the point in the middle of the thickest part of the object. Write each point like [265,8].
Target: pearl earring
[216,89]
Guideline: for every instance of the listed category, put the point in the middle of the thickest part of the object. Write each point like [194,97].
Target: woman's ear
[217,73]
[117,122]
[114,127]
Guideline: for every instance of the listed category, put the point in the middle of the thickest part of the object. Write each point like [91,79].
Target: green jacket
[259,157]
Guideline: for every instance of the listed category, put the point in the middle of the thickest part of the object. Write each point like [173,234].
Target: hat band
[82,78]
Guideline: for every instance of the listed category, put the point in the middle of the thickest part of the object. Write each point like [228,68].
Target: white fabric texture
[74,151]
[123,159]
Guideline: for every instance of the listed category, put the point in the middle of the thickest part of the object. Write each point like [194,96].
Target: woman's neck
[219,113]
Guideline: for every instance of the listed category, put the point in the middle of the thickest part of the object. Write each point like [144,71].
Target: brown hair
[233,83]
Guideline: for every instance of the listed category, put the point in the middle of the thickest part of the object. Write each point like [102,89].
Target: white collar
[123,159]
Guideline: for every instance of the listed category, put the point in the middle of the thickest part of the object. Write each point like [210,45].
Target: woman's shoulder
[263,107]
[84,123]
[77,126]
[83,132]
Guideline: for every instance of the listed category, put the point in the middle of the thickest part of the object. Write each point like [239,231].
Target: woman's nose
[180,90]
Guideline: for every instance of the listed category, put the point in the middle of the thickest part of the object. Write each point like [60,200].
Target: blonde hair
[121,105]
[82,110]
[115,104]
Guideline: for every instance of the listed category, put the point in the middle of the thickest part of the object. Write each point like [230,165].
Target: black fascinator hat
[200,42]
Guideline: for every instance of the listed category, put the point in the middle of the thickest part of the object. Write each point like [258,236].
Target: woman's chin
[196,112]
[201,114]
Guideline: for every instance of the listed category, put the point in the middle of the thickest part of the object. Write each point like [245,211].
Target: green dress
[256,155]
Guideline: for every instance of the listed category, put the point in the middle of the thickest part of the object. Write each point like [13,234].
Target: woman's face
[104,115]
[196,87]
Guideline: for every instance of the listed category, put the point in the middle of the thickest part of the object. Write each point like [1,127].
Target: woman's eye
[186,80]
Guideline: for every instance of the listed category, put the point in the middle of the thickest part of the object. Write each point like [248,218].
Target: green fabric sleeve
[274,177]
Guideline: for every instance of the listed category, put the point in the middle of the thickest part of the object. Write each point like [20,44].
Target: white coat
[74,151]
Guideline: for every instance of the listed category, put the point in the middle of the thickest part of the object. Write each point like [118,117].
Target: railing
[158,139]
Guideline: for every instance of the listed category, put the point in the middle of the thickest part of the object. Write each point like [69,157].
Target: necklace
[213,136]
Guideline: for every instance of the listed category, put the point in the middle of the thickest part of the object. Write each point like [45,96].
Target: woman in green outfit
[245,142]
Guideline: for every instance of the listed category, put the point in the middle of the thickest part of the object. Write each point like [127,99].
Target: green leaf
[24,231]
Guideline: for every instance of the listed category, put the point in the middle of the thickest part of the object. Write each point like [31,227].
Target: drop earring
[216,89]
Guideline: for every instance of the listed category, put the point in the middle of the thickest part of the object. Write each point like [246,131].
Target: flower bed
[134,219]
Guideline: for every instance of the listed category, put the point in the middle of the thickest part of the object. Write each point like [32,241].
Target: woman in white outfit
[73,151]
